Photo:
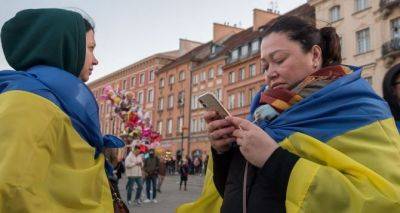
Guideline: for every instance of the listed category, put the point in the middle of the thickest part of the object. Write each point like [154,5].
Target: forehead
[90,36]
[275,42]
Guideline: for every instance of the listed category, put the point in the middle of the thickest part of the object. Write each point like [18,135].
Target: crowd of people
[146,169]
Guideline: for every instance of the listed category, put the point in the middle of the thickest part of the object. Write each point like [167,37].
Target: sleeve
[28,131]
[221,169]
[129,163]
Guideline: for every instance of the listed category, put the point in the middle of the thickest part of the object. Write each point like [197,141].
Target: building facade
[369,32]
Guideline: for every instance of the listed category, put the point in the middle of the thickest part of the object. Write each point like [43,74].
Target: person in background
[161,174]
[151,169]
[184,172]
[51,151]
[391,92]
[134,164]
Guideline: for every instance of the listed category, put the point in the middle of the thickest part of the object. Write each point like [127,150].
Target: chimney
[187,45]
[221,31]
[261,17]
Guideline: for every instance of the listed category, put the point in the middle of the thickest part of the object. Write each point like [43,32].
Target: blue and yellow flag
[349,152]
[50,144]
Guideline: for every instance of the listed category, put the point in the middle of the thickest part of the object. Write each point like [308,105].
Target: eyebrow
[271,55]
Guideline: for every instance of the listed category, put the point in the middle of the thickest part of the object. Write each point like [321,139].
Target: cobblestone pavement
[170,198]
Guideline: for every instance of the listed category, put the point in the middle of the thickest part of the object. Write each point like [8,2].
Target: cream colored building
[369,31]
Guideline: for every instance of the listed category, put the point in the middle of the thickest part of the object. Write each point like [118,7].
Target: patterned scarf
[282,99]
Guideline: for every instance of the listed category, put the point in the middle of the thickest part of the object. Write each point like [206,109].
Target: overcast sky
[130,30]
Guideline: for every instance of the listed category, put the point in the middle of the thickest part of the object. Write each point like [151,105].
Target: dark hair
[388,94]
[88,25]
[302,31]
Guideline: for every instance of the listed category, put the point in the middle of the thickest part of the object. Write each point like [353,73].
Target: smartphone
[211,103]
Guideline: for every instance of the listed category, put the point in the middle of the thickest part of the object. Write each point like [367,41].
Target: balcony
[386,6]
[388,3]
[390,50]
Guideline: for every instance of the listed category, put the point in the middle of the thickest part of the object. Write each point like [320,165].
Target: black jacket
[266,187]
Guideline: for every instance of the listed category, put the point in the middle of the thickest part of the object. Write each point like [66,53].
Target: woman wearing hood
[51,147]
[391,92]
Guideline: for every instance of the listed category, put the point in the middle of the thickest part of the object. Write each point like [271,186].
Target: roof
[202,54]
[168,55]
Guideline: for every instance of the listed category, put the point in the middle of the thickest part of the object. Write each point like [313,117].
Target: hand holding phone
[220,131]
[211,103]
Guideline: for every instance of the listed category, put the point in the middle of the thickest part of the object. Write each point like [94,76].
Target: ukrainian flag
[50,144]
[349,152]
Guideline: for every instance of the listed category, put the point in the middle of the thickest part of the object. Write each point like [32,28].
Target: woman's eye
[279,61]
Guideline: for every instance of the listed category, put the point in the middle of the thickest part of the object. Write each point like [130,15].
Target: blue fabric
[70,94]
[343,105]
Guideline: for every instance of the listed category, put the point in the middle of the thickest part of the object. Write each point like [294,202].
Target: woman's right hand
[220,131]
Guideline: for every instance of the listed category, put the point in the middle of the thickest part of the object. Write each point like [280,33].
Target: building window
[241,100]
[170,101]
[363,41]
[192,125]
[252,94]
[218,94]
[140,98]
[244,51]
[159,127]
[203,76]
[202,124]
[235,54]
[213,48]
[334,13]
[195,79]
[171,79]
[211,73]
[160,103]
[133,81]
[219,70]
[141,80]
[242,74]
[252,69]
[161,82]
[255,46]
[182,75]
[395,28]
[231,102]
[124,84]
[151,75]
[169,126]
[181,98]
[180,124]
[232,77]
[194,102]
[360,5]
[150,96]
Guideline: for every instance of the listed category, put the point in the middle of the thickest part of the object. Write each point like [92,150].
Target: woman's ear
[316,56]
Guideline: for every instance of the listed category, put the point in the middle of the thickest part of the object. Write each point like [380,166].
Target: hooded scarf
[52,37]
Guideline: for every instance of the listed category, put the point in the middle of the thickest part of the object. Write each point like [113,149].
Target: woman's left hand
[255,144]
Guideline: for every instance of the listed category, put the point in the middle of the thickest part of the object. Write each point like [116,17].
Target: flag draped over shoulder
[348,146]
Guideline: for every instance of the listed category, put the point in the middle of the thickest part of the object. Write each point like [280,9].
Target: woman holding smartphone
[318,139]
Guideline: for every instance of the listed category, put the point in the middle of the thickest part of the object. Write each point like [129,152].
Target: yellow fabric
[209,200]
[45,166]
[358,171]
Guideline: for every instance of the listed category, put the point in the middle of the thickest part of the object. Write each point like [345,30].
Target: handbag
[119,205]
